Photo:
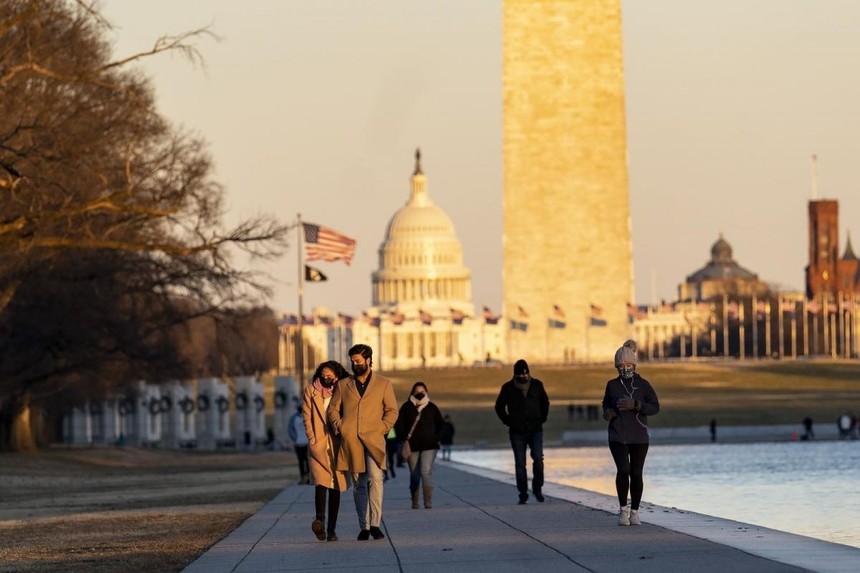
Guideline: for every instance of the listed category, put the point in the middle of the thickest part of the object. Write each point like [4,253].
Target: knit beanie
[626,354]
[521,367]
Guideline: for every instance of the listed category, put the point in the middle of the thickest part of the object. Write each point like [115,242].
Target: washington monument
[567,255]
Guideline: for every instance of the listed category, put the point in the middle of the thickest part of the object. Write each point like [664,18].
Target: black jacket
[428,432]
[523,414]
[630,427]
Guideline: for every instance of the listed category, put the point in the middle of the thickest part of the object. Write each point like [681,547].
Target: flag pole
[300,355]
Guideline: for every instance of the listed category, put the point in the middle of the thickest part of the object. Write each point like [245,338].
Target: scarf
[523,386]
[325,392]
[420,404]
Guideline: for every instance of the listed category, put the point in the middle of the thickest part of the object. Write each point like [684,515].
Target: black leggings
[629,460]
[333,505]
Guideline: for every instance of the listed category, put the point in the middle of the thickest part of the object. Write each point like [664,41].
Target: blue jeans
[421,468]
[534,441]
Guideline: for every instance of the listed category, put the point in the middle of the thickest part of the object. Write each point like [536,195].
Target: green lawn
[763,392]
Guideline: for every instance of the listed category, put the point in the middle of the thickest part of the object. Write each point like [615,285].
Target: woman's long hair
[339,371]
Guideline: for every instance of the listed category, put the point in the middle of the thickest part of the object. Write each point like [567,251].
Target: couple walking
[346,420]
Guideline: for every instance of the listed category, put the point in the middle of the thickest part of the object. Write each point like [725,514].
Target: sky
[317,108]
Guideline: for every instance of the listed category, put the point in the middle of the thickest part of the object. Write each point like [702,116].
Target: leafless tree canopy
[111,225]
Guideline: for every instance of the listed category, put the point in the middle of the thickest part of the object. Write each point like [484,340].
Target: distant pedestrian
[628,401]
[447,437]
[808,433]
[713,429]
[296,430]
[324,446]
[392,453]
[420,423]
[843,423]
[363,409]
[523,406]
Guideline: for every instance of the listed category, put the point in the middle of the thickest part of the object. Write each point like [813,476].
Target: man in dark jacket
[523,407]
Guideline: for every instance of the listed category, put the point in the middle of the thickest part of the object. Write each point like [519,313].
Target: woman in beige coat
[324,446]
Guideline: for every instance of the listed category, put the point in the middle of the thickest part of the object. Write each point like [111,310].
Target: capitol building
[422,314]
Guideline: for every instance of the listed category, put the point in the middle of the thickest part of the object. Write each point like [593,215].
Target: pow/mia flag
[314,275]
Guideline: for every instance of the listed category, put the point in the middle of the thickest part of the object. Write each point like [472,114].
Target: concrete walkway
[476,526]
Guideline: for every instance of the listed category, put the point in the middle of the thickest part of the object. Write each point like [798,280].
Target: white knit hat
[626,354]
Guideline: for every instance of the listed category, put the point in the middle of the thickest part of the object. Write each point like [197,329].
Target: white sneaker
[634,517]
[624,516]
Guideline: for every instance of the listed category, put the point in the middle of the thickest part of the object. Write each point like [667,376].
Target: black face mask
[420,395]
[327,382]
[522,378]
[359,369]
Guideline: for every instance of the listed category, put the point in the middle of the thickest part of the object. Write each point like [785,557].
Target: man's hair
[363,349]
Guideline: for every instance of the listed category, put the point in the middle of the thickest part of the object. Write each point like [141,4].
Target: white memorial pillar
[213,414]
[149,420]
[250,413]
[77,426]
[178,415]
[286,399]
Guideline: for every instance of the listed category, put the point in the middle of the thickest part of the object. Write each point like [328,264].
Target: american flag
[397,317]
[324,244]
[457,316]
[370,320]
[522,312]
[426,317]
[489,317]
[556,310]
[596,318]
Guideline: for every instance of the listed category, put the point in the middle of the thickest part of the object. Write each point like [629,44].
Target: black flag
[314,275]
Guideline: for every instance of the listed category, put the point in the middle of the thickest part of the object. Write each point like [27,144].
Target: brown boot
[428,496]
[414,499]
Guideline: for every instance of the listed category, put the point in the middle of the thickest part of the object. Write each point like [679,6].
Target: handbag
[406,449]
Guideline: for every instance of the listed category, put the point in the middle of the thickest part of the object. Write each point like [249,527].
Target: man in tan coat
[363,409]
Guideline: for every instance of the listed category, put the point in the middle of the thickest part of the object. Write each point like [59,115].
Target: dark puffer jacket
[428,431]
[630,426]
[523,414]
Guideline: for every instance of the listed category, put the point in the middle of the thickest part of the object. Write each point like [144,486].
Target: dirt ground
[109,509]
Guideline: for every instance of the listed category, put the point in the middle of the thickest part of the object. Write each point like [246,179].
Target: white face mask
[626,372]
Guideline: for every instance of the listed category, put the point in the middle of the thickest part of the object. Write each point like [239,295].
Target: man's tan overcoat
[362,421]
[322,442]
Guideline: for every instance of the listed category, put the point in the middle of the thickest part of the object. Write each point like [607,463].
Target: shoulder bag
[406,449]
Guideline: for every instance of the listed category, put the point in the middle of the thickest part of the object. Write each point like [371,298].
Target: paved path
[476,526]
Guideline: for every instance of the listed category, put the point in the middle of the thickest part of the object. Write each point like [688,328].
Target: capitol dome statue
[421,258]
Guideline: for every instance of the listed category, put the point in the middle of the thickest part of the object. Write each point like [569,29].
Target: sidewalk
[476,526]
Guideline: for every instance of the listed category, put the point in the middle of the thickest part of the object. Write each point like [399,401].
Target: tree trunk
[17,432]
[21,438]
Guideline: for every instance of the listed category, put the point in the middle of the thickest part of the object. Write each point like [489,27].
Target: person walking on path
[447,437]
[392,453]
[324,446]
[523,406]
[363,409]
[296,431]
[628,401]
[420,423]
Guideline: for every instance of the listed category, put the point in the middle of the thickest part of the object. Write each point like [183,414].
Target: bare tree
[110,221]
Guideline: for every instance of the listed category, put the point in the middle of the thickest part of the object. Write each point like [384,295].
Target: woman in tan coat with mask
[324,445]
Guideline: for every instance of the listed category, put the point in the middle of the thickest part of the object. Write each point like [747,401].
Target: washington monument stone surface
[566,231]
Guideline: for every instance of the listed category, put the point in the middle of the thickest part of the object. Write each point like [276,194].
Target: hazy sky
[317,107]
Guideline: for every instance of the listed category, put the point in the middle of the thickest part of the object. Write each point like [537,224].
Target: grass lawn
[690,393]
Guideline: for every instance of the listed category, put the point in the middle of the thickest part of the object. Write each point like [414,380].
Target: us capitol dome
[421,312]
[421,259]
